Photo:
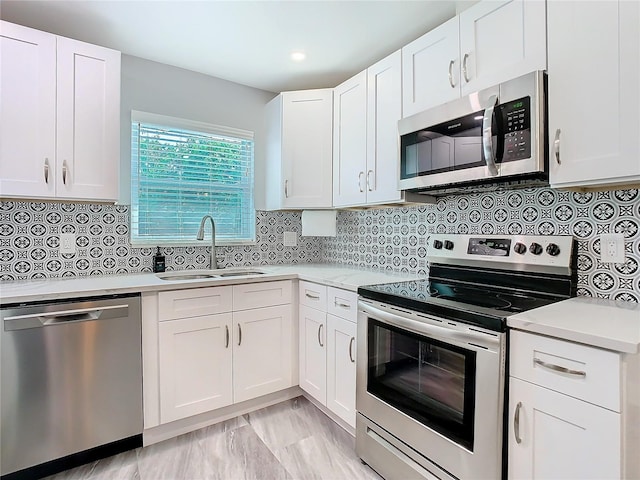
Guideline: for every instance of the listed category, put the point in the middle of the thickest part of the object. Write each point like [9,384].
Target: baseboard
[186,425]
[351,430]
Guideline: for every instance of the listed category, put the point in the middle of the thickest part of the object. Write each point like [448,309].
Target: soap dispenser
[158,262]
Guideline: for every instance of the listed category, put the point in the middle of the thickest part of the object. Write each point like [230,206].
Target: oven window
[429,380]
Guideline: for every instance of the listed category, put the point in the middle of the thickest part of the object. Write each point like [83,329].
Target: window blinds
[178,175]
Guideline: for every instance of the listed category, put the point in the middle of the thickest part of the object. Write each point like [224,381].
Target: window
[182,170]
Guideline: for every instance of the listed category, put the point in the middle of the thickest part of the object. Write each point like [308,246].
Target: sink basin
[240,273]
[204,274]
[185,276]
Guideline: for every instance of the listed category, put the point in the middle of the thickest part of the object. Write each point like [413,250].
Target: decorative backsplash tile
[396,238]
[385,238]
[30,233]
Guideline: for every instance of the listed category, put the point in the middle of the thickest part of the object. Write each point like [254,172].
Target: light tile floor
[290,440]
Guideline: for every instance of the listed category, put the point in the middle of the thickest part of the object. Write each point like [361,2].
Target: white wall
[162,89]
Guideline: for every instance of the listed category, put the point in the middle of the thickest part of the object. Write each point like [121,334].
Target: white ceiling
[247,42]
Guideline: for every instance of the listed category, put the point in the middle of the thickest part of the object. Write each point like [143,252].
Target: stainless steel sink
[240,273]
[185,276]
[205,274]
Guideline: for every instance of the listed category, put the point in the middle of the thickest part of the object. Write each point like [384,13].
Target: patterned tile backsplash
[29,242]
[385,238]
[396,238]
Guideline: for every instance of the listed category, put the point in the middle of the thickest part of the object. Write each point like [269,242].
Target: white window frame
[195,126]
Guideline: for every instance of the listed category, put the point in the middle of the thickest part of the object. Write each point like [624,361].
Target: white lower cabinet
[241,350]
[566,410]
[195,366]
[341,368]
[555,436]
[262,351]
[313,354]
[328,348]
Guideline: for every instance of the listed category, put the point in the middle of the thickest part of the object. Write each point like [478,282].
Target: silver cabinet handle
[340,304]
[313,297]
[286,189]
[64,172]
[319,331]
[226,336]
[239,334]
[464,67]
[451,63]
[369,187]
[556,147]
[360,175]
[487,134]
[558,368]
[353,360]
[46,171]
[516,423]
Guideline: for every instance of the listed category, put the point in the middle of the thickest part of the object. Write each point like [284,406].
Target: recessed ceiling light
[298,56]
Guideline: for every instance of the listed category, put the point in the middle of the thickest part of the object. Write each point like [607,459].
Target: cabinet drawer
[313,295]
[342,303]
[194,302]
[583,372]
[263,294]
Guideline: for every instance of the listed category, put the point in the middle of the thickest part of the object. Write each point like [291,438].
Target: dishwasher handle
[45,319]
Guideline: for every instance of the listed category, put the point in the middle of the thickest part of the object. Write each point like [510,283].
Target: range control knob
[535,248]
[553,249]
[448,244]
[437,244]
[520,248]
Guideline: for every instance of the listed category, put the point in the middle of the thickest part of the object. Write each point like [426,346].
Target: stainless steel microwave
[494,136]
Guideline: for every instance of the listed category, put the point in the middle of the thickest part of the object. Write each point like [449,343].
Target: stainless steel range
[431,353]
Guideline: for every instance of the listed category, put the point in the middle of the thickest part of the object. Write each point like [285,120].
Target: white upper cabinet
[500,40]
[367,108]
[299,150]
[384,109]
[594,93]
[488,43]
[350,141]
[431,69]
[60,114]
[27,111]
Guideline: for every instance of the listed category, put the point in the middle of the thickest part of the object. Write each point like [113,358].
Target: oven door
[434,384]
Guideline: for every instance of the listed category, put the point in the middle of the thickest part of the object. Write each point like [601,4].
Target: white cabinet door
[262,351]
[430,69]
[88,121]
[384,109]
[500,40]
[350,141]
[27,112]
[307,149]
[560,437]
[341,368]
[195,356]
[594,99]
[313,353]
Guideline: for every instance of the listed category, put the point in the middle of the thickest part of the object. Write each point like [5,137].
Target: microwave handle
[487,134]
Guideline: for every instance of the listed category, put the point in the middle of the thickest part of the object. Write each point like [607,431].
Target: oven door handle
[478,339]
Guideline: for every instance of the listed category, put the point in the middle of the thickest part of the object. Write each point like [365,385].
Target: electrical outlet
[612,248]
[290,239]
[68,243]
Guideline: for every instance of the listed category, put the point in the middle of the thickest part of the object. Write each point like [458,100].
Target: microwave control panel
[516,121]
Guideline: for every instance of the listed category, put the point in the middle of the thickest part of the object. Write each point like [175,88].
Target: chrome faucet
[214,259]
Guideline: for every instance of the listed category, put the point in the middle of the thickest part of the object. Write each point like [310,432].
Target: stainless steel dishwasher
[71,388]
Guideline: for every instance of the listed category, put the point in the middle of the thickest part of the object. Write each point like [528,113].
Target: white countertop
[592,321]
[348,278]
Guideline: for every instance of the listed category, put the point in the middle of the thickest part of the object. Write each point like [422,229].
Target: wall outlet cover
[290,239]
[67,243]
[612,248]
